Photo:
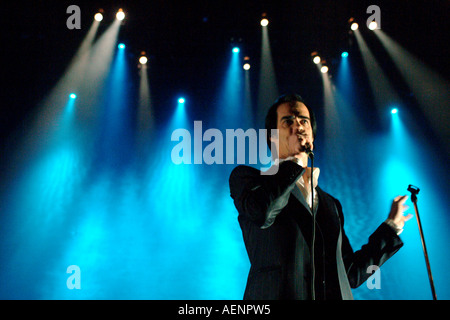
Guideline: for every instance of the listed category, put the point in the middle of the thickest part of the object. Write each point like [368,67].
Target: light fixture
[316,57]
[181,100]
[143,59]
[236,50]
[120,15]
[98,17]
[344,54]
[121,46]
[72,96]
[324,69]
[246,65]
[264,20]
[394,111]
[353,25]
[373,25]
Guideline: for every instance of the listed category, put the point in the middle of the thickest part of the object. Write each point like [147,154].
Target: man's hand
[296,148]
[397,209]
[295,145]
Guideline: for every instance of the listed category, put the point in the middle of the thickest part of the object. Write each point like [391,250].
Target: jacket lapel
[298,194]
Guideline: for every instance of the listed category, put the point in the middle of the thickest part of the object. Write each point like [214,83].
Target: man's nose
[298,125]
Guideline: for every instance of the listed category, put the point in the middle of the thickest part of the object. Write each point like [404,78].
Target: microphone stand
[313,280]
[414,191]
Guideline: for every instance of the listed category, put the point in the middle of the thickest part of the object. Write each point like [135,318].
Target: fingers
[297,144]
[399,202]
[401,206]
[398,209]
[401,199]
[407,217]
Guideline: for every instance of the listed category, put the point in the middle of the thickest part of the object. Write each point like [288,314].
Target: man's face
[295,130]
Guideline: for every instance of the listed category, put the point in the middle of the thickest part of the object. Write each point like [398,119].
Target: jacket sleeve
[382,245]
[260,198]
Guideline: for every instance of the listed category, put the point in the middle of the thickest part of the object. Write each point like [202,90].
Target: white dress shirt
[306,190]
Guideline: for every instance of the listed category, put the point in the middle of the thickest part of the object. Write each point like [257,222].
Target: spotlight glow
[394,111]
[121,46]
[317,60]
[354,26]
[324,69]
[98,16]
[72,96]
[181,100]
[373,25]
[143,60]
[344,54]
[120,15]
[246,66]
[236,50]
[264,22]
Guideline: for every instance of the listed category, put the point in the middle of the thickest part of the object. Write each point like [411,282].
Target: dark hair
[272,115]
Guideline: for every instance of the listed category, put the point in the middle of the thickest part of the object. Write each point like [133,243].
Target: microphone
[308,150]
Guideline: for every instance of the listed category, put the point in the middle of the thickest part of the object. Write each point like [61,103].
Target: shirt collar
[296,160]
[316,173]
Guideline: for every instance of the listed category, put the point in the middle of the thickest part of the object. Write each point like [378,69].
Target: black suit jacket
[276,225]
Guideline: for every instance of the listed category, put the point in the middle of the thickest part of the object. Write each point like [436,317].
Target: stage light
[72,96]
[324,69]
[354,26]
[98,17]
[373,25]
[143,60]
[317,60]
[120,15]
[246,65]
[394,111]
[181,100]
[264,20]
[121,46]
[344,54]
[236,50]
[315,57]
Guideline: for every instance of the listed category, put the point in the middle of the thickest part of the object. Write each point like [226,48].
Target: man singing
[277,214]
